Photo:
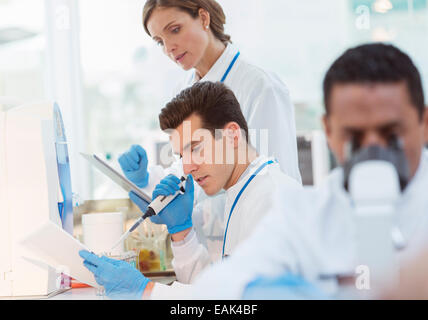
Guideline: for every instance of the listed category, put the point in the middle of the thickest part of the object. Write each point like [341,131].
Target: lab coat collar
[220,66]
[233,191]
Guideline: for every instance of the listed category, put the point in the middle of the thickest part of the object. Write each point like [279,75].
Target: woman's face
[182,38]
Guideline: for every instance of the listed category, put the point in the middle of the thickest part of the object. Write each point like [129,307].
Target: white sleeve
[268,252]
[189,259]
[273,110]
[176,291]
[202,247]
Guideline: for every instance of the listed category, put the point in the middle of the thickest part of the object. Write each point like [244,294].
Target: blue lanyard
[230,67]
[239,195]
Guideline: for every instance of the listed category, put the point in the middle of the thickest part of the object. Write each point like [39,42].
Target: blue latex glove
[285,287]
[119,279]
[177,215]
[134,165]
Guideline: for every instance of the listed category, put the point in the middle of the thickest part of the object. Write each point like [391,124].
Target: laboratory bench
[83,292]
[130,213]
[90,293]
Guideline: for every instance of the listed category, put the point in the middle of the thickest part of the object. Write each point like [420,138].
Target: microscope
[375,177]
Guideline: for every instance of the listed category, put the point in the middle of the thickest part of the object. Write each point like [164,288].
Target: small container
[149,260]
[101,231]
[129,257]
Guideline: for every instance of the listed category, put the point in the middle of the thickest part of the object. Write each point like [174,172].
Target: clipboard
[54,246]
[117,177]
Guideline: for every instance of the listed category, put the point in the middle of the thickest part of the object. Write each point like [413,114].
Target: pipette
[153,208]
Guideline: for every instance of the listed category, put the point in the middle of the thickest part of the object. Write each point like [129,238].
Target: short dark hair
[215,103]
[375,63]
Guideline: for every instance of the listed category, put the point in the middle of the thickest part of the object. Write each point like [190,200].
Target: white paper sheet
[55,247]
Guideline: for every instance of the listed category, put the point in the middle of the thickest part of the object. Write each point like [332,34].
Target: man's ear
[326,122]
[232,132]
[326,126]
[425,120]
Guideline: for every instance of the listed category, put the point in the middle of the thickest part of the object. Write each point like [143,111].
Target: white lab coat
[192,257]
[266,104]
[310,233]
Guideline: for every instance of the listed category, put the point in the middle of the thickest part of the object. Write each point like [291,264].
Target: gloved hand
[119,279]
[177,215]
[134,165]
[284,287]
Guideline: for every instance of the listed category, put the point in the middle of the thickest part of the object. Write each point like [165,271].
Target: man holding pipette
[208,131]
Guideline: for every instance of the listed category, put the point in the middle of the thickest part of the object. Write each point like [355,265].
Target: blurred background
[111,80]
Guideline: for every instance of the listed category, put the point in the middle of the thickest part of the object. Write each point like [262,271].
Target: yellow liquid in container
[148,260]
